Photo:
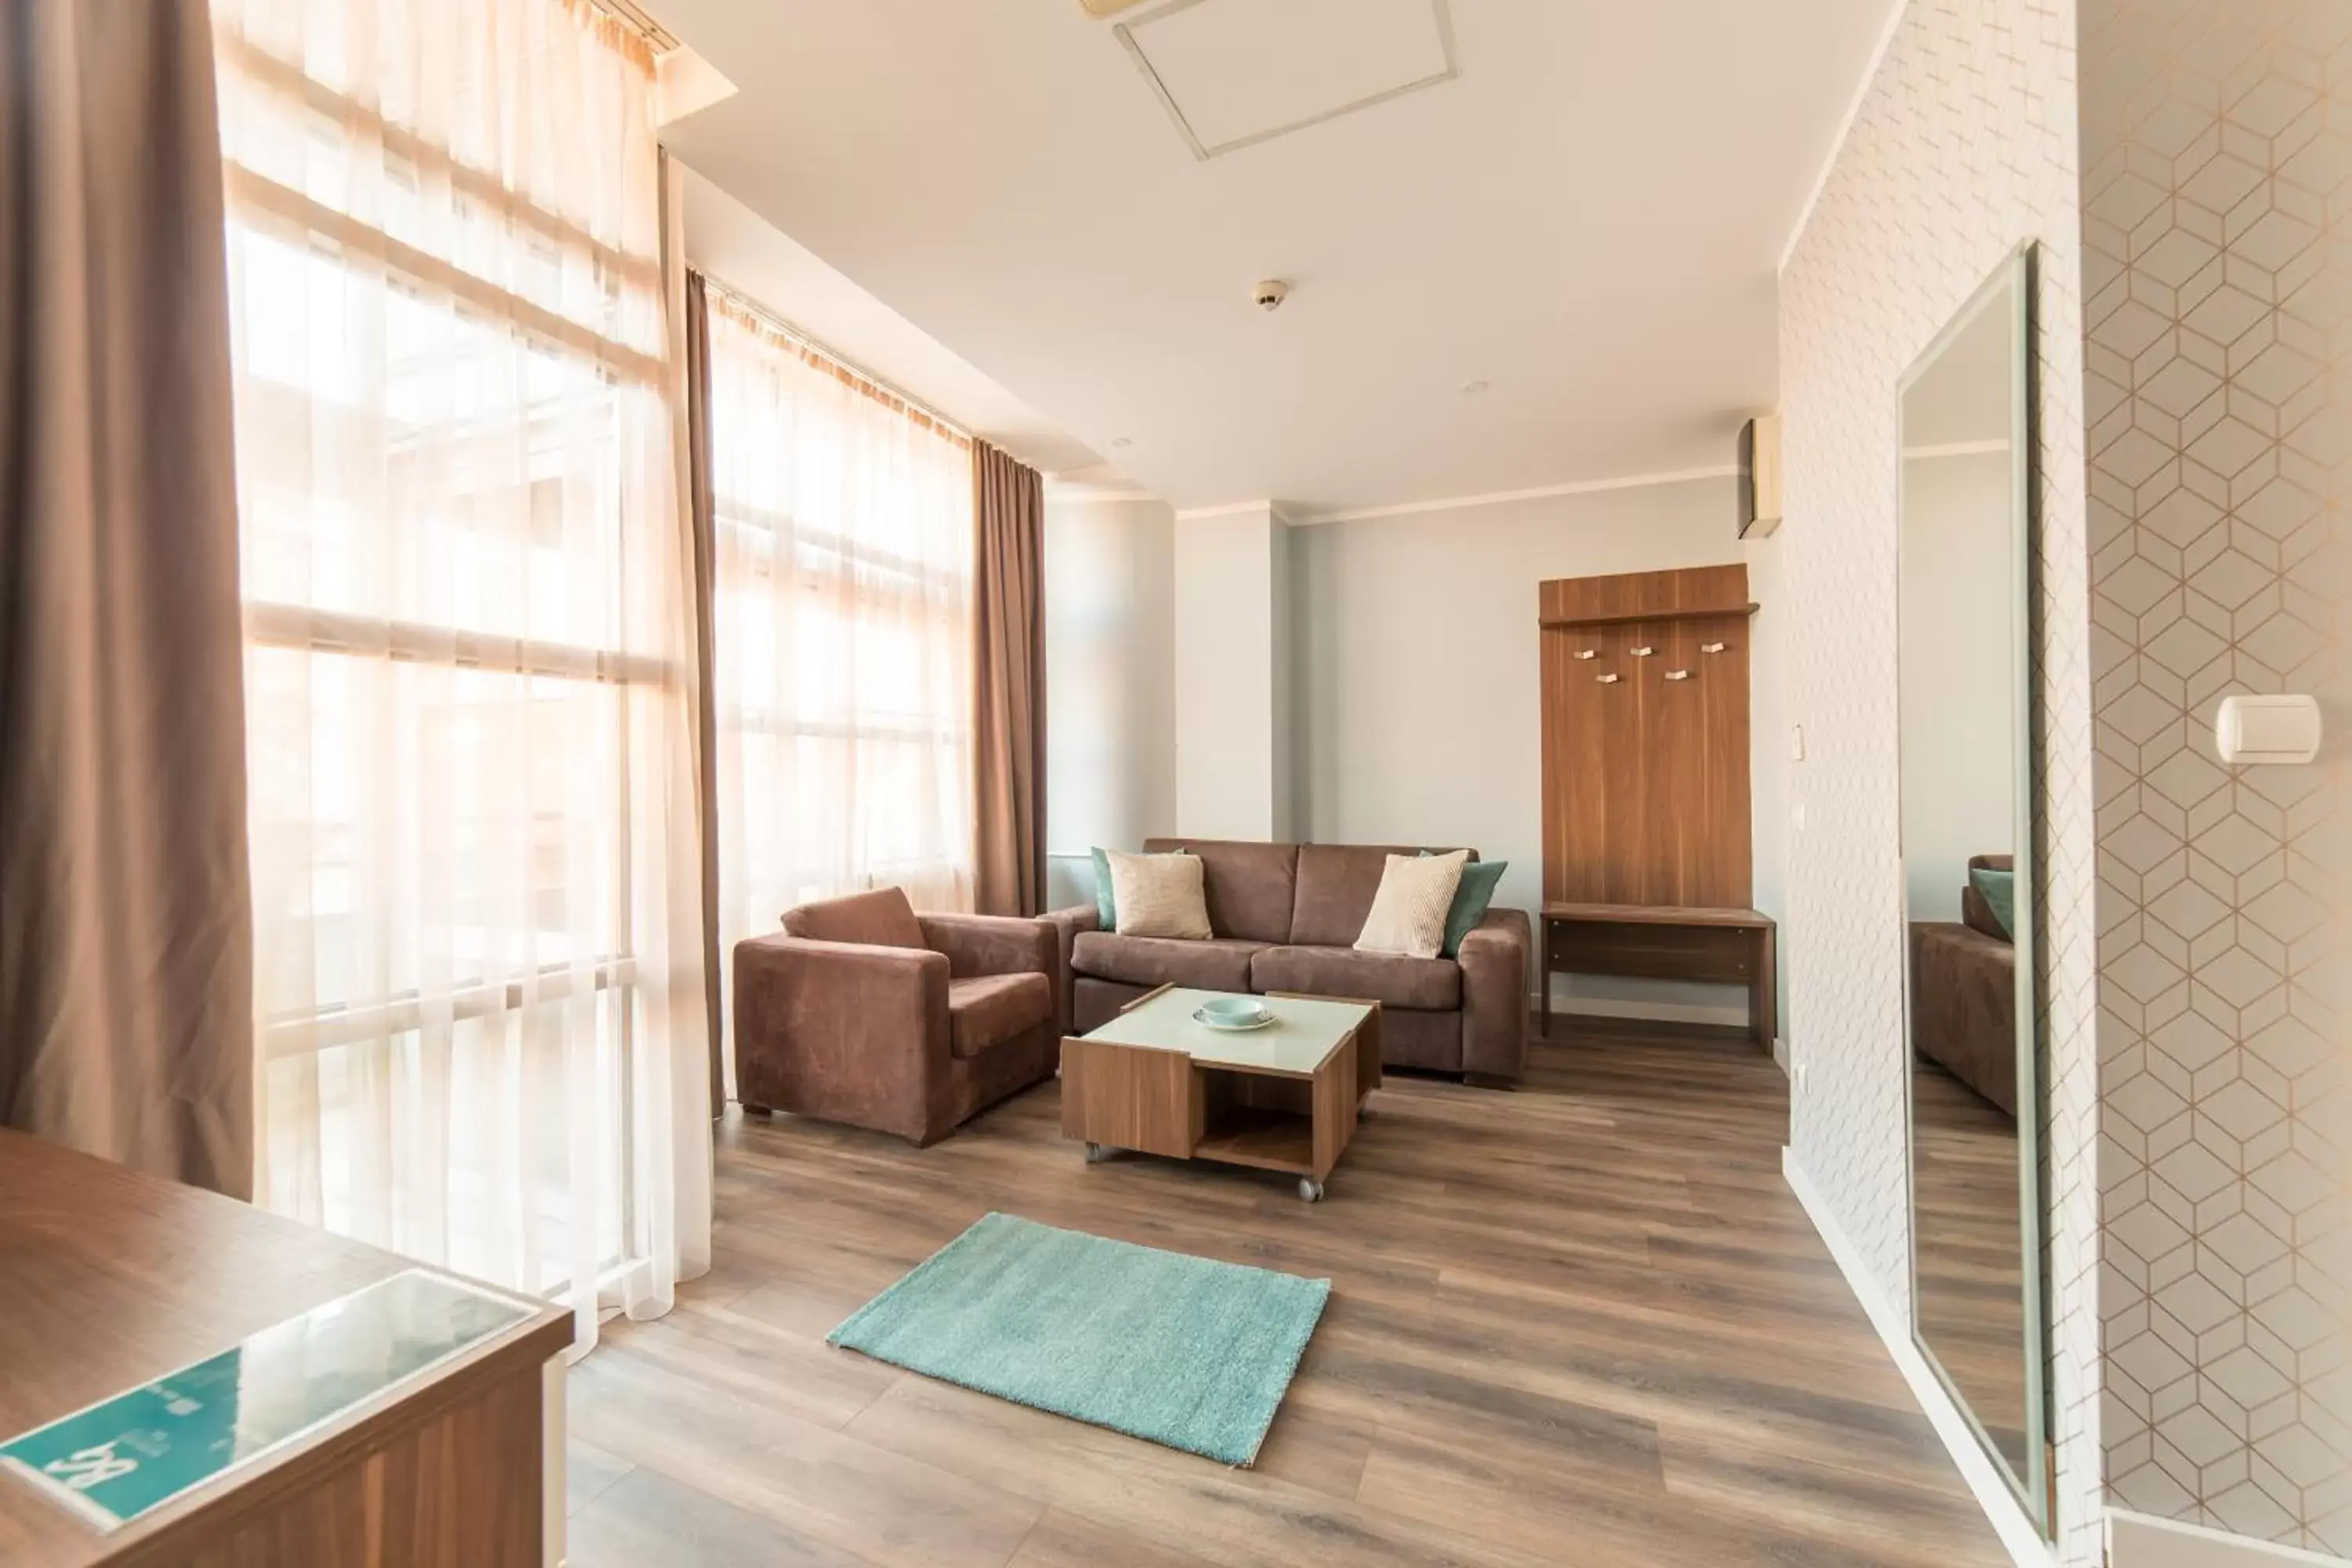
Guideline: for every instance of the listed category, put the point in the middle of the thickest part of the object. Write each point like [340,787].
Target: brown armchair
[862,1011]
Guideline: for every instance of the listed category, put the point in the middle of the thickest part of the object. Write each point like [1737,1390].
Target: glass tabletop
[1303,1035]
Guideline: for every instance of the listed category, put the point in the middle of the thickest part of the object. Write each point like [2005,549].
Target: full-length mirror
[1965,660]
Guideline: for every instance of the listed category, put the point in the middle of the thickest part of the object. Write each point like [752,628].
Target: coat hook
[1710,647]
[1606,679]
[1678,675]
[1644,651]
[1587,653]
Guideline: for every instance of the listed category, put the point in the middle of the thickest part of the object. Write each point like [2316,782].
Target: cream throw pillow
[1162,895]
[1409,912]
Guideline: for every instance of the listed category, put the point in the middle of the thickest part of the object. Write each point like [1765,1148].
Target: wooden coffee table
[1284,1097]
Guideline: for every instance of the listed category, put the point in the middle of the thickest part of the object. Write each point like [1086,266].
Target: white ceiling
[1233,74]
[1587,219]
[736,247]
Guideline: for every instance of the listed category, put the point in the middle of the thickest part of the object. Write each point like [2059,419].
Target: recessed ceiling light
[1473,388]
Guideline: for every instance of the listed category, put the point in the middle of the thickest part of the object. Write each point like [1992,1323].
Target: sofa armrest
[1068,924]
[1496,958]
[846,1031]
[990,944]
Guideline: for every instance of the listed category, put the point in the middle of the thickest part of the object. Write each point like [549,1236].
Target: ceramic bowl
[1235,1012]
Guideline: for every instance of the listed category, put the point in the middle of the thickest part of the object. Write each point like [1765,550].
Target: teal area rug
[1182,1350]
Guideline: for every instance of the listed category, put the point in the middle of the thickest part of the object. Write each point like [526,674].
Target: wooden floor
[1583,1323]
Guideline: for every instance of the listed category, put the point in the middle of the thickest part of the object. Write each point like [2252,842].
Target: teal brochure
[119,1459]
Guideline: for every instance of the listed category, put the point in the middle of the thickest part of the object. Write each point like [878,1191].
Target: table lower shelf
[1269,1140]
[1157,1100]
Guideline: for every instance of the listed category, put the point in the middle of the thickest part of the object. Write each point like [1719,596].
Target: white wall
[1233,696]
[1962,148]
[1418,689]
[2225,894]
[1768,741]
[1110,683]
[1283,662]
[1959,636]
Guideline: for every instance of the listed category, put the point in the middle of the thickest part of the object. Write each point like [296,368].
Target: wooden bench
[1663,941]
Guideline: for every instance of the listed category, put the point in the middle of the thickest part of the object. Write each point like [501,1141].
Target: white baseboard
[2143,1541]
[2016,1529]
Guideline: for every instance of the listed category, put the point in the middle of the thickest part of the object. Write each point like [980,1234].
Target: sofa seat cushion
[1391,979]
[1220,964]
[987,1010]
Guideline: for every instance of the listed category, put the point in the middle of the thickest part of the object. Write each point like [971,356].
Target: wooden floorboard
[1584,1322]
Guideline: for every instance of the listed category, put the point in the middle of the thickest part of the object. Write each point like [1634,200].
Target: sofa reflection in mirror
[1964,987]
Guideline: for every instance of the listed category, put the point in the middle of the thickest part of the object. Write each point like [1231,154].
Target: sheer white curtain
[843,630]
[468,605]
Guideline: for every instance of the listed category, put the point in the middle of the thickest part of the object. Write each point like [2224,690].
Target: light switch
[1796,742]
[2251,729]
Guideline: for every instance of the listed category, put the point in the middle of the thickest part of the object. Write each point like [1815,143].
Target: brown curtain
[1009,678]
[706,556]
[126,962]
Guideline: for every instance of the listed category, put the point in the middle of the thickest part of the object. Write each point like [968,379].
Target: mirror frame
[2015,278]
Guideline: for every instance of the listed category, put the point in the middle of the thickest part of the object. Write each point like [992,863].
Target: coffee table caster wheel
[1096,1153]
[1309,1190]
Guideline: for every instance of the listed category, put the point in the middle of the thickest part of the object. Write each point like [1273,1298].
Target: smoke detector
[1269,293]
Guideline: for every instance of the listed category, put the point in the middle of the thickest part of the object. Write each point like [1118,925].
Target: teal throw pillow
[1470,897]
[1106,917]
[1998,891]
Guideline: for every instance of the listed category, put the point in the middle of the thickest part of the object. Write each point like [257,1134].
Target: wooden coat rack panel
[1645,739]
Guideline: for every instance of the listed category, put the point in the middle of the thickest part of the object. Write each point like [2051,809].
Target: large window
[465,615]
[843,632]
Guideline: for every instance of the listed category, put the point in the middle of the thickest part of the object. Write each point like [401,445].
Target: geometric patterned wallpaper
[2217,150]
[1963,149]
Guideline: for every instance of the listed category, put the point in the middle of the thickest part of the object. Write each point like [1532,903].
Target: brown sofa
[1964,993]
[1285,918]
[862,1011]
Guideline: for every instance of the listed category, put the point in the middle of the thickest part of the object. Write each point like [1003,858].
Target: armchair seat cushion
[1219,963]
[987,1010]
[1391,979]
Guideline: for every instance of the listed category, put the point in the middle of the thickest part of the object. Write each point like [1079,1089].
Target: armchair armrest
[1067,924]
[990,944]
[1495,959]
[847,1031]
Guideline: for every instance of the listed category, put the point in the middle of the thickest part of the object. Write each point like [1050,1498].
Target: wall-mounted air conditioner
[1759,476]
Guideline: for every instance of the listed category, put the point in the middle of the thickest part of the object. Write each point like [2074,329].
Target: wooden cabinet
[1648,841]
[1645,739]
[112,1278]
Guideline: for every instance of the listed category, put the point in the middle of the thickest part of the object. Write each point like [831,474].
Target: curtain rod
[818,345]
[627,12]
